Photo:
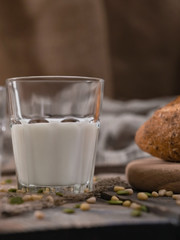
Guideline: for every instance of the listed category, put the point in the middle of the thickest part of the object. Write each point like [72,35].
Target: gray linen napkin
[119,123]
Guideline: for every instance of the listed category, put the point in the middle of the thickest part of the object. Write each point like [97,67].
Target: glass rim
[55,78]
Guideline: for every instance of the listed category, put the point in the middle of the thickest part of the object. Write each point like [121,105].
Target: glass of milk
[55,123]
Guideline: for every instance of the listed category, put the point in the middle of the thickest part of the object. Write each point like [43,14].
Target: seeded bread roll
[160,135]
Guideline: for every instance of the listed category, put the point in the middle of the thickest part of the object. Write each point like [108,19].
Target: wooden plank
[161,206]
[101,214]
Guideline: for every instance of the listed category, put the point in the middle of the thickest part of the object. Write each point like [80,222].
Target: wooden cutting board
[149,174]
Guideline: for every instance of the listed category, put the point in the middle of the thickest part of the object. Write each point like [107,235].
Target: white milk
[55,153]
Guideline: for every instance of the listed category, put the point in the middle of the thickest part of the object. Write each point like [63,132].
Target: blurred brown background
[133,45]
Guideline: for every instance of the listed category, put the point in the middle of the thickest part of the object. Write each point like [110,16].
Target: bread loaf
[160,134]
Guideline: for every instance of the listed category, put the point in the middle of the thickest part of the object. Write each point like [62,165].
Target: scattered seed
[8,181]
[77,206]
[12,190]
[169,193]
[68,210]
[59,194]
[50,199]
[39,214]
[176,196]
[136,213]
[91,200]
[16,200]
[19,191]
[3,182]
[126,203]
[154,194]
[85,206]
[114,198]
[115,202]
[27,198]
[142,196]
[130,191]
[118,188]
[148,194]
[162,192]
[3,190]
[36,197]
[40,191]
[123,192]
[135,206]
[144,208]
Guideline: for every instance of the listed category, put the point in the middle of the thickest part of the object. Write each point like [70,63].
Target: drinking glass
[55,121]
[2,123]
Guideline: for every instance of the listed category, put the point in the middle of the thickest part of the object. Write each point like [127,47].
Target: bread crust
[160,134]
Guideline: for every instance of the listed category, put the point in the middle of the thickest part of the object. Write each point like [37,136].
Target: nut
[114,198]
[50,199]
[91,200]
[39,214]
[127,203]
[130,191]
[142,196]
[169,193]
[162,192]
[135,205]
[117,188]
[154,194]
[176,196]
[85,206]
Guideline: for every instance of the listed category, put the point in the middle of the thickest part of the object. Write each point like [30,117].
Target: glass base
[75,188]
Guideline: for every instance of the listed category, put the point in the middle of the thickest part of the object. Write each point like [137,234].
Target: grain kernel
[36,197]
[50,199]
[39,214]
[22,190]
[118,188]
[162,192]
[3,189]
[136,213]
[176,196]
[178,202]
[27,198]
[19,191]
[142,196]
[91,200]
[169,193]
[3,182]
[130,191]
[154,194]
[114,198]
[85,206]
[135,205]
[126,203]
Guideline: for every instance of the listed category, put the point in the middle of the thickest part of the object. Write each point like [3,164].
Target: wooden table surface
[103,219]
